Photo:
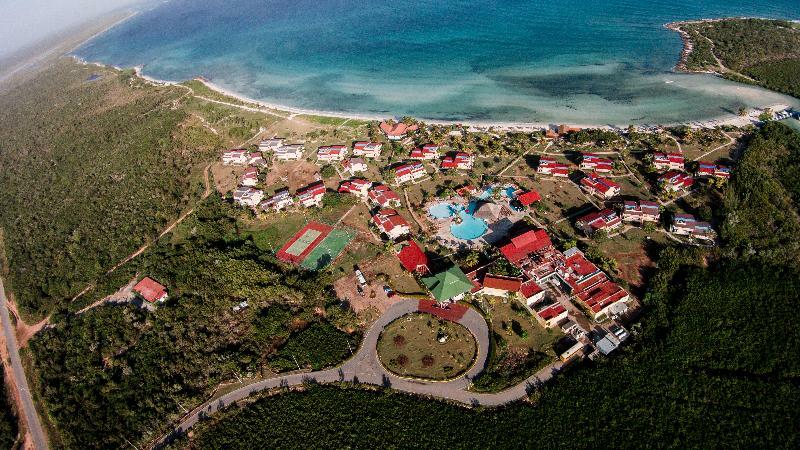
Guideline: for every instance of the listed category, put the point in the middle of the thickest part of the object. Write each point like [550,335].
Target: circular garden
[421,345]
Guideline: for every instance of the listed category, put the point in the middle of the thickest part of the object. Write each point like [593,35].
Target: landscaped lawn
[410,346]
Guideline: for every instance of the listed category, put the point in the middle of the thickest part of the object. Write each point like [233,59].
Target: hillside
[712,366]
[755,51]
[93,164]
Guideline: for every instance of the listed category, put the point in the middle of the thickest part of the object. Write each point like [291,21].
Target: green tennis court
[302,243]
[327,251]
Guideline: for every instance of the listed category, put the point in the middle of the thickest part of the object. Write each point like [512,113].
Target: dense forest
[91,163]
[765,52]
[8,422]
[140,367]
[713,365]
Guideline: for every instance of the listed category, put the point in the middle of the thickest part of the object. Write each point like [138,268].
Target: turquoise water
[441,211]
[470,227]
[526,61]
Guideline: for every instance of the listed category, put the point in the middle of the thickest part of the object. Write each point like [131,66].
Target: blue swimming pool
[441,210]
[470,227]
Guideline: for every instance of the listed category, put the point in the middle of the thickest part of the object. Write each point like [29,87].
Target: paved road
[365,367]
[28,409]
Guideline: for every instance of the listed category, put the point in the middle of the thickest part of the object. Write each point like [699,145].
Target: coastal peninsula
[747,50]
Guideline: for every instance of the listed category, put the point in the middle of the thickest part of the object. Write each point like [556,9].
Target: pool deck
[496,233]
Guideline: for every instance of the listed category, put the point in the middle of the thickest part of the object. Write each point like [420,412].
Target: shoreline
[471,125]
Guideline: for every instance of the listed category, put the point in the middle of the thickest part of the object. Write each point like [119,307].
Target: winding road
[364,367]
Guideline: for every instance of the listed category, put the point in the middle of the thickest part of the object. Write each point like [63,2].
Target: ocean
[532,61]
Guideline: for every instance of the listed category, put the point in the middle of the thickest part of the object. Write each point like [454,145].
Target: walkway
[21,383]
[364,367]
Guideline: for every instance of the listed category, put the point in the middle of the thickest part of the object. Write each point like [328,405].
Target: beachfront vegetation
[140,367]
[704,372]
[89,171]
[757,51]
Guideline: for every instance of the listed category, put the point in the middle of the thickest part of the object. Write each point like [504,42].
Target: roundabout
[421,345]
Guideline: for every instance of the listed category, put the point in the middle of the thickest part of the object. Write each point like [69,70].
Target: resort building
[354,165]
[357,186]
[591,287]
[640,211]
[600,187]
[675,181]
[397,131]
[256,159]
[668,161]
[150,290]
[449,285]
[331,153]
[409,172]
[605,220]
[527,198]
[460,160]
[291,152]
[412,258]
[499,286]
[380,195]
[282,199]
[549,166]
[424,154]
[597,164]
[235,157]
[688,225]
[247,196]
[367,149]
[709,169]
[250,177]
[268,145]
[549,313]
[531,292]
[523,246]
[311,195]
[391,223]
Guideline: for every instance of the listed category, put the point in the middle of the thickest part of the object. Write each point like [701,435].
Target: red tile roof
[530,288]
[412,257]
[150,290]
[529,198]
[525,244]
[502,283]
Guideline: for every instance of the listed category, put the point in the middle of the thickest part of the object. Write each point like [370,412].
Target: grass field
[409,346]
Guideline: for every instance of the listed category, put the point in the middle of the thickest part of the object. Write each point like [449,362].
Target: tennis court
[303,242]
[328,250]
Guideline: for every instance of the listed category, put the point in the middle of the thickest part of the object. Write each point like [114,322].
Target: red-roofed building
[640,211]
[357,186]
[150,290]
[330,153]
[397,131]
[354,165]
[380,195]
[675,181]
[311,195]
[531,292]
[249,177]
[499,286]
[597,164]
[549,313]
[605,220]
[523,245]
[527,198]
[367,149]
[412,257]
[409,172]
[391,223]
[237,156]
[549,166]
[601,296]
[688,225]
[460,160]
[600,187]
[671,161]
[709,169]
[424,154]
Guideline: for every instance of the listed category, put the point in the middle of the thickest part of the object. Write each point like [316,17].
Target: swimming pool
[441,211]
[470,227]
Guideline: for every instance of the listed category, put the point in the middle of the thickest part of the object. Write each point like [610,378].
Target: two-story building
[640,211]
[604,220]
[391,223]
[367,149]
[311,195]
[549,166]
[590,161]
[599,186]
[409,172]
